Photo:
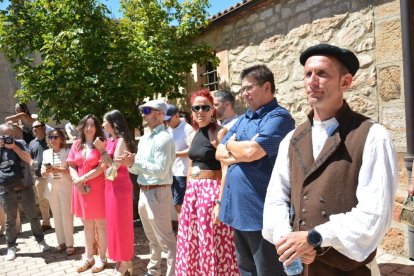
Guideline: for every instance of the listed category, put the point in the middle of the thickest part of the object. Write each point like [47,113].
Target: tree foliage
[72,59]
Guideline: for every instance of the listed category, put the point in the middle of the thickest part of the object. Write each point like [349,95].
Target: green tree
[72,59]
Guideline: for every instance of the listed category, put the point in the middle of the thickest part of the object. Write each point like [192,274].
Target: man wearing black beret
[335,175]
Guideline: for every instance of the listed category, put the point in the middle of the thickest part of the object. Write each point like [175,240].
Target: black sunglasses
[53,137]
[197,108]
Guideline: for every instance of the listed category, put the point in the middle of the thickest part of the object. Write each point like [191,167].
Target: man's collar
[158,128]
[264,109]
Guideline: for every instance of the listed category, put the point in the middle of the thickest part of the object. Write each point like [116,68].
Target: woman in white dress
[59,188]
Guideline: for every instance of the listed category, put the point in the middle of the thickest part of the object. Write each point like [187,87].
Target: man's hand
[11,146]
[126,159]
[294,245]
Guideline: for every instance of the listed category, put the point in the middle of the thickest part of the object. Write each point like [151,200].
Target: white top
[356,233]
[182,136]
[54,181]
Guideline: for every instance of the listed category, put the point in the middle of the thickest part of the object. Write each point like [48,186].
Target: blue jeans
[178,189]
[255,255]
[26,199]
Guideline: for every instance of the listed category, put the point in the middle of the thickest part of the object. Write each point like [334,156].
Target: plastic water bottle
[294,268]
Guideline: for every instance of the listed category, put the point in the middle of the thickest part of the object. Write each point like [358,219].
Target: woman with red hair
[203,246]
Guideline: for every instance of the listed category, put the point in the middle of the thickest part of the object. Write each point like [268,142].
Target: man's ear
[346,81]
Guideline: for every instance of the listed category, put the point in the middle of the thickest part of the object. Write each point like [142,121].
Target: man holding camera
[13,191]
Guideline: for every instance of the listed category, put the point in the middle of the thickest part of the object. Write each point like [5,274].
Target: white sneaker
[43,246]
[11,254]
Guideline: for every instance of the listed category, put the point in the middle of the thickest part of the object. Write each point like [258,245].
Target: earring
[213,120]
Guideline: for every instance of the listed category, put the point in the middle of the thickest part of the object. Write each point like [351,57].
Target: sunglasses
[147,110]
[197,108]
[53,137]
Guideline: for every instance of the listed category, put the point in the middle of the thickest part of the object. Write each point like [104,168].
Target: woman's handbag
[407,212]
[111,172]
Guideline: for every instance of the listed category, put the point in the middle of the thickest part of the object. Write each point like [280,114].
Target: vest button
[303,210]
[305,197]
[323,213]
[303,223]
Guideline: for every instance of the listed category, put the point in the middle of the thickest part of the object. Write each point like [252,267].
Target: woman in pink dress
[88,193]
[204,247]
[118,193]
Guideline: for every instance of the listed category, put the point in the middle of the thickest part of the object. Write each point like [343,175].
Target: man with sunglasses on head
[153,164]
[36,148]
[250,149]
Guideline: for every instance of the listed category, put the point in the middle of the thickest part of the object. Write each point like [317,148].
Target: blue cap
[171,111]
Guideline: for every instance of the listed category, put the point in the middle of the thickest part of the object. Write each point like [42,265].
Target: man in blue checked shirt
[250,149]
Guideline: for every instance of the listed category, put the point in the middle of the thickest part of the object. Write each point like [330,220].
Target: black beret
[345,56]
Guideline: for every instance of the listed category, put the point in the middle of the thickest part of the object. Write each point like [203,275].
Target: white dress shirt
[358,232]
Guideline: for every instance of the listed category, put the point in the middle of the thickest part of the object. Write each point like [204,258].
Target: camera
[47,165]
[7,139]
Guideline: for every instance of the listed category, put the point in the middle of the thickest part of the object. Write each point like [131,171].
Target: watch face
[314,238]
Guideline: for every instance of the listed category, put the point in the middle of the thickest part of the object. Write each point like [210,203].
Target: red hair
[206,94]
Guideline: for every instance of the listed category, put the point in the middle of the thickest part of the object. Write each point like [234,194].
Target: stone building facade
[275,32]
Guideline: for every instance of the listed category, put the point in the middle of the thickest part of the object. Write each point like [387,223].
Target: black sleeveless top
[202,152]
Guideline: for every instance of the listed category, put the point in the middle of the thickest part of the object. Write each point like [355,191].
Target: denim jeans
[26,198]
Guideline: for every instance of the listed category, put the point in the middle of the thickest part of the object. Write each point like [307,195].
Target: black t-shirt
[11,167]
[202,152]
[37,147]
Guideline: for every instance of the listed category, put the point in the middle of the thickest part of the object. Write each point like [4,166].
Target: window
[211,80]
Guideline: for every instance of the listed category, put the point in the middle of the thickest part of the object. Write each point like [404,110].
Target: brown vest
[327,185]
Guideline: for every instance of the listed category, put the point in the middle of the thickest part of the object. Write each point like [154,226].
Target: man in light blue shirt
[153,164]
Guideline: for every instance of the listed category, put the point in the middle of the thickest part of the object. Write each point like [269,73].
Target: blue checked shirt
[246,183]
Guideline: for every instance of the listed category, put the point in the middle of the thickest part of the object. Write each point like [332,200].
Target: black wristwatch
[314,238]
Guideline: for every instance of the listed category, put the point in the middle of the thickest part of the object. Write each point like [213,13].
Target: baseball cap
[171,111]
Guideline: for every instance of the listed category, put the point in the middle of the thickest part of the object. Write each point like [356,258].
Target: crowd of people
[251,193]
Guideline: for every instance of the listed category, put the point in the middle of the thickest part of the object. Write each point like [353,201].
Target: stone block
[321,25]
[266,13]
[286,12]
[365,45]
[393,118]
[252,18]
[299,20]
[258,27]
[365,61]
[353,31]
[362,105]
[306,5]
[388,36]
[389,83]
[387,9]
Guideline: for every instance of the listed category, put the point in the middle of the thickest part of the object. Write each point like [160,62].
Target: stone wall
[276,32]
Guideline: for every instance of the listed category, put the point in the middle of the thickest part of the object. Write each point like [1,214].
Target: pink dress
[119,217]
[91,205]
